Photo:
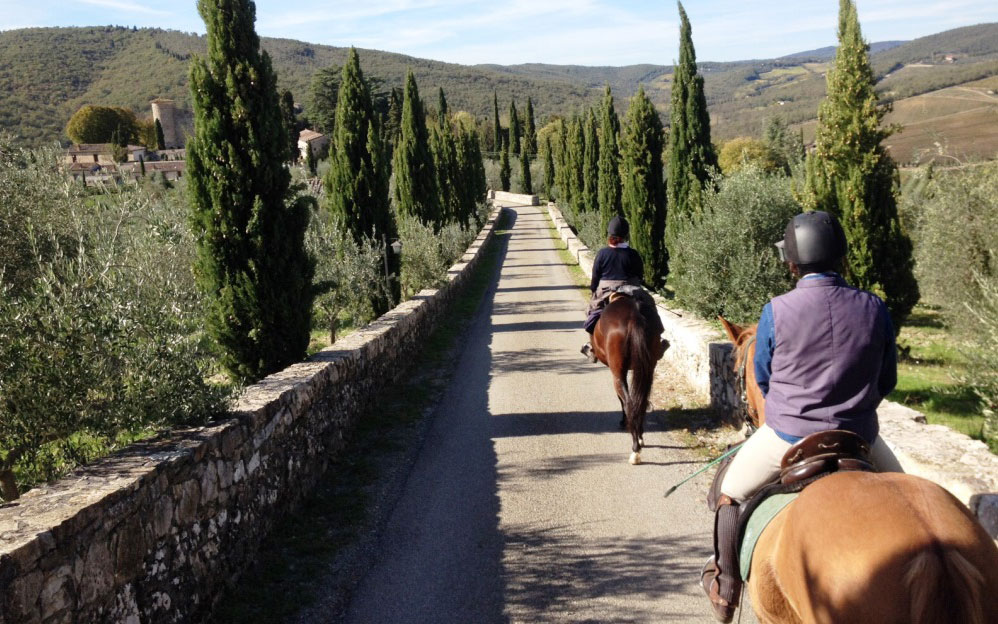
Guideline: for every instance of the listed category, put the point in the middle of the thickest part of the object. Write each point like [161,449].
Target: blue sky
[583,32]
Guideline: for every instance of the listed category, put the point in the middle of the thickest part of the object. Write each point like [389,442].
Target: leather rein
[740,371]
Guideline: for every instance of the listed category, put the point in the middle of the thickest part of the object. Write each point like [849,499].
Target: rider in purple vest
[825,357]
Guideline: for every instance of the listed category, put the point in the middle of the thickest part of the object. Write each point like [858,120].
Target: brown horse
[624,340]
[869,547]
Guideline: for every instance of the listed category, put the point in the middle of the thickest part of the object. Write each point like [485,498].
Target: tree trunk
[8,487]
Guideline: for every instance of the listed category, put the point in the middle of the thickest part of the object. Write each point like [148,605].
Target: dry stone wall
[155,532]
[962,465]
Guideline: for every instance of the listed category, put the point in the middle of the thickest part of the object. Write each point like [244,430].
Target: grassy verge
[932,373]
[293,565]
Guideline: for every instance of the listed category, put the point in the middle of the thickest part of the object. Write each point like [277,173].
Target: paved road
[522,506]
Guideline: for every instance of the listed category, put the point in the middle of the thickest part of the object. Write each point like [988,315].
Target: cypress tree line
[549,170]
[529,130]
[525,181]
[496,127]
[288,112]
[160,139]
[643,198]
[514,129]
[357,181]
[609,162]
[504,170]
[416,192]
[445,165]
[691,154]
[852,176]
[590,164]
[249,229]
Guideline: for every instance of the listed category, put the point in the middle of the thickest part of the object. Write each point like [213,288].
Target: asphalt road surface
[522,506]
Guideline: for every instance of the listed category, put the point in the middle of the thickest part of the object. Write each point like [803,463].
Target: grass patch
[575,271]
[293,565]
[932,371]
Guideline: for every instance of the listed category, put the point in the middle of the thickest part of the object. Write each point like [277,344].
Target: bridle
[740,372]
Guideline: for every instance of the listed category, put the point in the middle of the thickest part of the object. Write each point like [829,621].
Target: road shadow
[553,571]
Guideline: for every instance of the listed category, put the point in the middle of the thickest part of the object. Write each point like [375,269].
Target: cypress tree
[474,176]
[142,166]
[576,157]
[525,181]
[562,171]
[416,192]
[160,138]
[504,171]
[393,126]
[529,131]
[609,162]
[496,127]
[288,112]
[691,154]
[643,188]
[249,228]
[310,163]
[514,128]
[549,170]
[445,165]
[441,108]
[590,164]
[357,181]
[852,176]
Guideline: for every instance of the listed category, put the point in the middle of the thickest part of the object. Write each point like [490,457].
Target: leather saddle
[824,453]
[817,455]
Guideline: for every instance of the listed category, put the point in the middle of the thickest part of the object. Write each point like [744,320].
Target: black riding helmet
[813,238]
[618,227]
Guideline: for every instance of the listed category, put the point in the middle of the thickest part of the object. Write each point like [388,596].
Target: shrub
[743,151]
[426,255]
[984,361]
[726,251]
[349,273]
[107,339]
[956,233]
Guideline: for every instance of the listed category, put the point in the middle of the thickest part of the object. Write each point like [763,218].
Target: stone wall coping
[962,465]
[48,520]
[515,198]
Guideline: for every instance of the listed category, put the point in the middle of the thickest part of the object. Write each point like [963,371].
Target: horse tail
[944,587]
[642,365]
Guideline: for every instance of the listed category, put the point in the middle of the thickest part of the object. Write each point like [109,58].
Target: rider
[825,357]
[616,265]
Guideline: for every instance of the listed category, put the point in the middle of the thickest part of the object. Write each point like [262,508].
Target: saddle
[817,455]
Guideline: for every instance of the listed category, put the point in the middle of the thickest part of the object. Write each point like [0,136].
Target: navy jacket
[616,263]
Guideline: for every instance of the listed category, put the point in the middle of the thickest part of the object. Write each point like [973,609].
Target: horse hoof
[635,459]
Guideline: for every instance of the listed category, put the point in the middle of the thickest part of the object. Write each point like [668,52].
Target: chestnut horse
[624,341]
[888,548]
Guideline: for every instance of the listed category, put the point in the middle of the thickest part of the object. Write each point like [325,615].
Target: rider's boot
[587,350]
[721,577]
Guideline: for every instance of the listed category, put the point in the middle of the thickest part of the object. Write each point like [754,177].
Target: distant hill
[47,73]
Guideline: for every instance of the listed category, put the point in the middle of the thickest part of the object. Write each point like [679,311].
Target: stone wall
[514,199]
[702,353]
[155,532]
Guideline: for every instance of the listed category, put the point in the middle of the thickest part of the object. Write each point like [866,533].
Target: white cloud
[126,5]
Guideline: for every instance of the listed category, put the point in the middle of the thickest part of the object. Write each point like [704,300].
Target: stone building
[312,139]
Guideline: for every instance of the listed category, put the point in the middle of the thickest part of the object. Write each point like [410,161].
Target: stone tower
[165,111]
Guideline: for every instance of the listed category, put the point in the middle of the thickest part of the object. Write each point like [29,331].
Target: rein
[742,381]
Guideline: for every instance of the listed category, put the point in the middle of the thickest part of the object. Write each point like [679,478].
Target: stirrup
[710,581]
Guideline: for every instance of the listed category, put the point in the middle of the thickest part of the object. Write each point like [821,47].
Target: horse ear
[734,331]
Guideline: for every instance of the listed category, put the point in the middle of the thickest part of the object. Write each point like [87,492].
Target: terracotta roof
[309,135]
[98,148]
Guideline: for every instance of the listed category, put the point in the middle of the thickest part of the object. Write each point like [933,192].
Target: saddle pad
[757,523]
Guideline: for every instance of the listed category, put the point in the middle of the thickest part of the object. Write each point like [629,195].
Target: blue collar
[819,275]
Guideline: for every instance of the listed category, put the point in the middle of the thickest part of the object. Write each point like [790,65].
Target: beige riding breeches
[757,463]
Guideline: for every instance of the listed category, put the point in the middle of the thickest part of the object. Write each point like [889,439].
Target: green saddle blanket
[757,523]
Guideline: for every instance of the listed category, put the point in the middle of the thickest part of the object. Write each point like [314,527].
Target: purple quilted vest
[829,341]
